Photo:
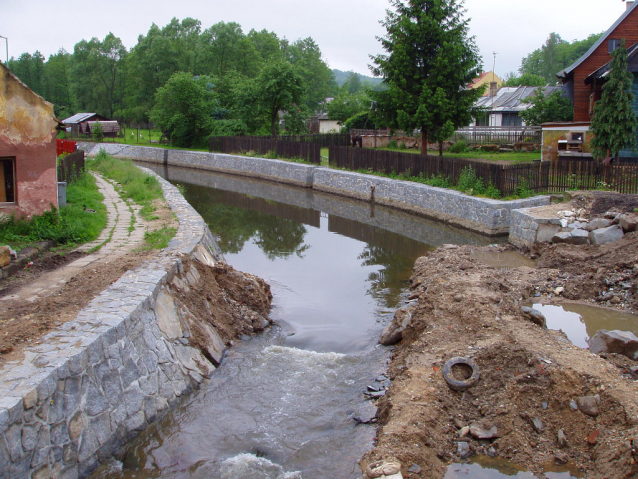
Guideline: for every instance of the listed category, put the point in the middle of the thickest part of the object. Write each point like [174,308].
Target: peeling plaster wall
[27,134]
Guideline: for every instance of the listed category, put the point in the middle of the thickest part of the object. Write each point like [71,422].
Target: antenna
[6,40]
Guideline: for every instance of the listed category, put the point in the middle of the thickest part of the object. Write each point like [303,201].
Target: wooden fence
[70,167]
[265,146]
[65,146]
[566,174]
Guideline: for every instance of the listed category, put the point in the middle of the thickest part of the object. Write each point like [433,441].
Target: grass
[70,226]
[512,157]
[133,183]
[140,187]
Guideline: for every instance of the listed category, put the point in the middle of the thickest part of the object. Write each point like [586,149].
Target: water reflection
[486,467]
[580,322]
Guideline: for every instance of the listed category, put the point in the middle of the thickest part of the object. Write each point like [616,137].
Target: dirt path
[540,400]
[56,287]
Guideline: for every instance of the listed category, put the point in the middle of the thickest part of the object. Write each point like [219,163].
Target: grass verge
[74,224]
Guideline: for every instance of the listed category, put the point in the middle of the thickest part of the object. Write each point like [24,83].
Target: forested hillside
[102,76]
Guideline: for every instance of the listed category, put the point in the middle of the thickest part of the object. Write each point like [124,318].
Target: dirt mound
[539,400]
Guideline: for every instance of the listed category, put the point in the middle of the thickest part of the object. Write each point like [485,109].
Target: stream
[289,403]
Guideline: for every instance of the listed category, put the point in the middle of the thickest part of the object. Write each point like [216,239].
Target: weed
[158,239]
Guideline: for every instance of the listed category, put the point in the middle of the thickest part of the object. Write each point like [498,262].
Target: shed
[28,160]
[109,128]
[78,123]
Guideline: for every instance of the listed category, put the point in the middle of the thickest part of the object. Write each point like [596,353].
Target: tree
[614,122]
[184,108]
[553,107]
[429,62]
[526,79]
[97,133]
[345,105]
[278,87]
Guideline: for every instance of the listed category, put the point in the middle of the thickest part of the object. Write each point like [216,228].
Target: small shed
[28,159]
[78,124]
[109,128]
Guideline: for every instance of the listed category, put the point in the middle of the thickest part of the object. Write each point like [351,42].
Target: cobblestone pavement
[123,232]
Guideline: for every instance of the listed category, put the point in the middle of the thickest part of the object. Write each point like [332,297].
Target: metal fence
[566,174]
[71,166]
[484,135]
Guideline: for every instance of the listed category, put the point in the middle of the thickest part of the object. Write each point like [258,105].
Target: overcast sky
[345,30]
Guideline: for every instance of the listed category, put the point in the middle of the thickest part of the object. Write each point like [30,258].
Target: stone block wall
[96,380]
[481,215]
[526,229]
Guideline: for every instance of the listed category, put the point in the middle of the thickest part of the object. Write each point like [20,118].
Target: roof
[602,72]
[573,66]
[78,117]
[511,98]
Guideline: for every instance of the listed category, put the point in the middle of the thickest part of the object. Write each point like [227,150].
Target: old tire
[460,384]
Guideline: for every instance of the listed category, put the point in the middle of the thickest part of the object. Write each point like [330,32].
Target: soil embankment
[540,400]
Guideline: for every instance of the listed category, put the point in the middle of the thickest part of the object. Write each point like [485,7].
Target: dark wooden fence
[71,166]
[306,147]
[566,174]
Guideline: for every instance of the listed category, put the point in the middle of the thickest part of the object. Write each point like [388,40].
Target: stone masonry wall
[527,229]
[492,217]
[92,383]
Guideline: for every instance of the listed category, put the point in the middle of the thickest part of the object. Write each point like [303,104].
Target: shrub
[458,147]
[97,132]
[393,144]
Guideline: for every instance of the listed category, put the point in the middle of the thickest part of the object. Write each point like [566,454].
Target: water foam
[249,465]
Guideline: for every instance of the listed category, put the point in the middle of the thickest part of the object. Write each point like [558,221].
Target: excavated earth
[531,379]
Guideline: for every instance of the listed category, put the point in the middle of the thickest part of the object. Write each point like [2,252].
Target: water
[504,259]
[486,467]
[580,322]
[282,404]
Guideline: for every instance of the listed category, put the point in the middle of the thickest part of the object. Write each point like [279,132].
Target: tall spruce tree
[430,60]
[614,122]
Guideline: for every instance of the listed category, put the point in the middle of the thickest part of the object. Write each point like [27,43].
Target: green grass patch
[158,239]
[133,183]
[70,226]
[512,157]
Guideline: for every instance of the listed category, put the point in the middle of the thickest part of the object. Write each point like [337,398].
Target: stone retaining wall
[483,215]
[96,380]
[527,229]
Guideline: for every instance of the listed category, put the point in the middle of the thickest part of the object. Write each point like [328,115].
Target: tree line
[233,67]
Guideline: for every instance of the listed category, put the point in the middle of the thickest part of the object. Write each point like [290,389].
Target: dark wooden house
[80,123]
[574,77]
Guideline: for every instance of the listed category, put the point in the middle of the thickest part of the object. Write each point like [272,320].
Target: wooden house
[574,77]
[28,159]
[80,124]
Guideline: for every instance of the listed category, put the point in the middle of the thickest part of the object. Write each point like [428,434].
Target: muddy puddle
[580,322]
[504,259]
[486,467]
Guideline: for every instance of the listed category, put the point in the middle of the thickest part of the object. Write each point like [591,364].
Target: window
[511,119]
[483,120]
[613,44]
[7,180]
[578,136]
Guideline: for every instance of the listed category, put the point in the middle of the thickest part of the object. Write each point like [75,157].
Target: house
[490,79]
[574,77]
[320,123]
[503,109]
[28,161]
[81,124]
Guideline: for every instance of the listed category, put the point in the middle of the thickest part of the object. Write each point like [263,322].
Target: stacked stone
[79,395]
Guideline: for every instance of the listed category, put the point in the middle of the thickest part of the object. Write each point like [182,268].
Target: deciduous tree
[553,107]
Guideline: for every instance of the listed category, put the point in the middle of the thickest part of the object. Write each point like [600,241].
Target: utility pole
[6,41]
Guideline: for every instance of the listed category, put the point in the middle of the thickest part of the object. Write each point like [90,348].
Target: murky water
[485,467]
[283,404]
[580,322]
[504,259]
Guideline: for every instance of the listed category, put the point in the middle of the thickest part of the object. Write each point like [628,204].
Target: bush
[228,128]
[469,183]
[97,132]
[459,147]
[393,144]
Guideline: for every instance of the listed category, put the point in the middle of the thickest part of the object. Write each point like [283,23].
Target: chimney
[630,3]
